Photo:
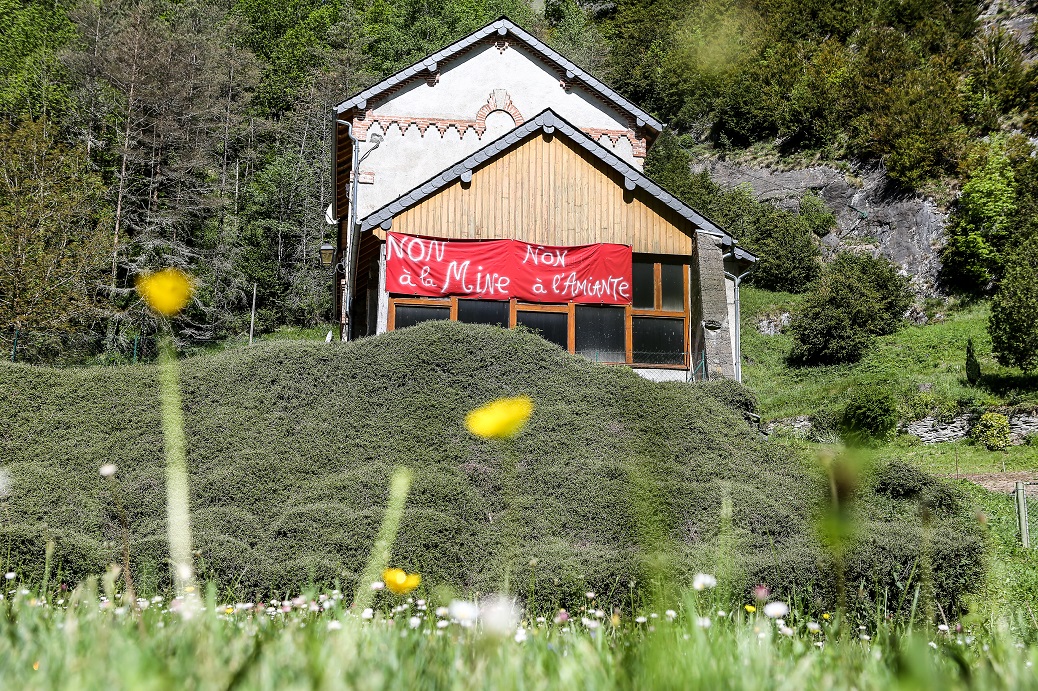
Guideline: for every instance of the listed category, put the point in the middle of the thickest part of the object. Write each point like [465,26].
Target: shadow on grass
[1009,383]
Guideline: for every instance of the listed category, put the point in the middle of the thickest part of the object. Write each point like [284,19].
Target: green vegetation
[855,299]
[80,645]
[870,415]
[614,479]
[1014,311]
[924,365]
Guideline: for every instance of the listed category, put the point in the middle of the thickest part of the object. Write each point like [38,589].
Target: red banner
[503,269]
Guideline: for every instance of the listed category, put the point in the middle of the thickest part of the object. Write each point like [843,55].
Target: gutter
[738,313]
[348,263]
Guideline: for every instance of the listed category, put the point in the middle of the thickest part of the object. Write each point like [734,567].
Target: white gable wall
[509,83]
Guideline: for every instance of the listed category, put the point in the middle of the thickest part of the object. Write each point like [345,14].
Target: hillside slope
[291,446]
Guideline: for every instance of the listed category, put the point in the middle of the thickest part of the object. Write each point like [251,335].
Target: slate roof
[549,122]
[502,27]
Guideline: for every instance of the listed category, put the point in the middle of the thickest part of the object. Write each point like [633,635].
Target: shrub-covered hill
[291,446]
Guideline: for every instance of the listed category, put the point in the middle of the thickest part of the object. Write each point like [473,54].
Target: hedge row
[291,446]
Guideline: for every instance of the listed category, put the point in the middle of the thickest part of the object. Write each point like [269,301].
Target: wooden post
[1021,513]
[252,322]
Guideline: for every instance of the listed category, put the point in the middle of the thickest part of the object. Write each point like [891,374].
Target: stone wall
[930,430]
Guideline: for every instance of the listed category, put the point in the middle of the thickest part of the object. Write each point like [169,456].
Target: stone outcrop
[870,215]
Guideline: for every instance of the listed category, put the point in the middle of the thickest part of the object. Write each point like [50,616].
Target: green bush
[832,324]
[856,298]
[992,430]
[291,445]
[731,394]
[1014,311]
[870,415]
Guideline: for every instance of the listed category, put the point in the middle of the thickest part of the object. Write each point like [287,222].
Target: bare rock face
[773,324]
[870,215]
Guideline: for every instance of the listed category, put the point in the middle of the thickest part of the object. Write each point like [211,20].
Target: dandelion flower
[703,622]
[500,419]
[166,291]
[378,585]
[750,608]
[414,622]
[671,614]
[640,620]
[108,470]
[442,624]
[942,627]
[826,616]
[776,609]
[703,581]
[400,582]
[10,575]
[367,614]
[813,627]
[520,635]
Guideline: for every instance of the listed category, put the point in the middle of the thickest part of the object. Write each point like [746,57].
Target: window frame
[569,308]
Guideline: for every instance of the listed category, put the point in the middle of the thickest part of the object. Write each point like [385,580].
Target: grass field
[930,357]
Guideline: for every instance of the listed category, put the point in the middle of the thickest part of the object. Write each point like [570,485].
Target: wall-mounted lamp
[327,254]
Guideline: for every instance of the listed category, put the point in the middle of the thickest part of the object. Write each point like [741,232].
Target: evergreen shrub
[291,445]
[870,415]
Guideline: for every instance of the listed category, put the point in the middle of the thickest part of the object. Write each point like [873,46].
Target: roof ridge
[501,26]
[547,121]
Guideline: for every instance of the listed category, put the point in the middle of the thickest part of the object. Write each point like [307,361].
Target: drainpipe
[738,314]
[348,263]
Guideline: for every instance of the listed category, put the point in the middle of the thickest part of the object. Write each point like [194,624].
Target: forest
[139,134]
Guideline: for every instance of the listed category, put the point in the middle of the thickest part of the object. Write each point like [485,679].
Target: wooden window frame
[569,308]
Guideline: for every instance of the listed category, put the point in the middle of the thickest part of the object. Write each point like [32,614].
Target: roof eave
[502,27]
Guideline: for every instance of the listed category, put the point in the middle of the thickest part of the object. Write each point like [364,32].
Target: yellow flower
[166,291]
[500,419]
[750,608]
[399,581]
[825,616]
[228,610]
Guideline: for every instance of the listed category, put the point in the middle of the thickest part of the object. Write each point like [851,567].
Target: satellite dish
[328,217]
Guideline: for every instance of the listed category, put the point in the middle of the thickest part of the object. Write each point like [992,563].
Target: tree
[832,325]
[54,240]
[857,298]
[1013,324]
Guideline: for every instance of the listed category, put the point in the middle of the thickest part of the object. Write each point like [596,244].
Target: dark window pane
[658,341]
[552,326]
[672,278]
[492,312]
[600,333]
[642,293]
[409,315]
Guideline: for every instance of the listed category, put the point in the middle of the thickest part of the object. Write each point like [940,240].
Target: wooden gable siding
[549,191]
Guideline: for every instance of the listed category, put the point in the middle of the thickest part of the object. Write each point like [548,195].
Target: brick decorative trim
[497,100]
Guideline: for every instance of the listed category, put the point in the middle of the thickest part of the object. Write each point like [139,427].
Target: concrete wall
[716,304]
[469,102]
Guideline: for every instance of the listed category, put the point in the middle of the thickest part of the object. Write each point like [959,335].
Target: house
[497,182]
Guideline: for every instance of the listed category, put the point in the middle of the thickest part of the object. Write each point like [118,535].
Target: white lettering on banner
[539,255]
[502,269]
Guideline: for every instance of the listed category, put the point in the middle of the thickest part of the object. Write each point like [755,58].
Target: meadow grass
[315,641]
[931,357]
